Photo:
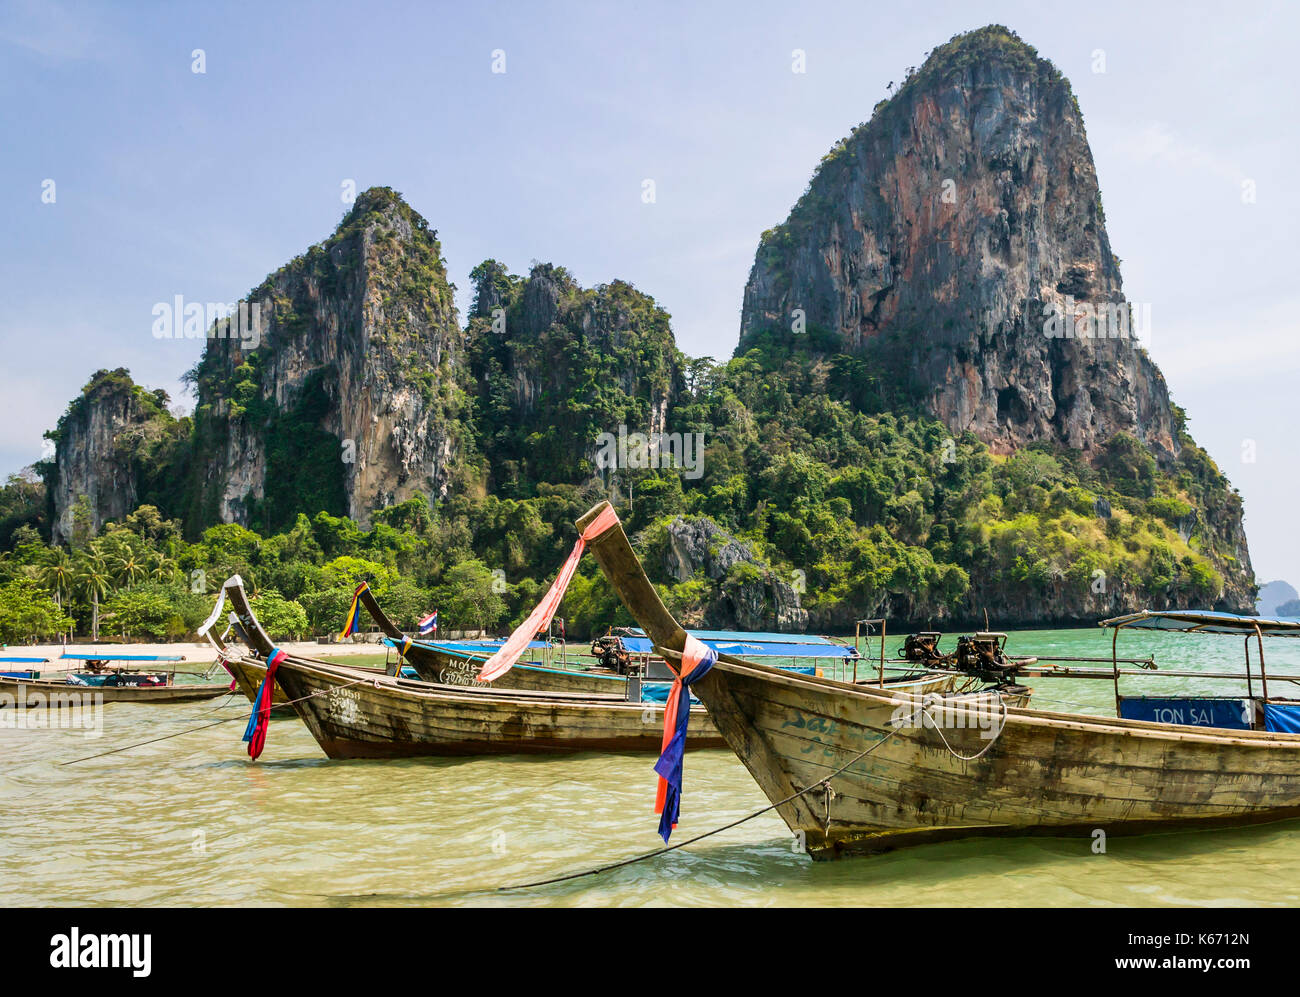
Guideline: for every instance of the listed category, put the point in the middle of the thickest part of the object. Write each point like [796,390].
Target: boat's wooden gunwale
[1071,721]
[383,719]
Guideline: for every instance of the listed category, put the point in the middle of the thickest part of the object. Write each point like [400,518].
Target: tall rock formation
[956,245]
[349,395]
[556,365]
[939,237]
[116,447]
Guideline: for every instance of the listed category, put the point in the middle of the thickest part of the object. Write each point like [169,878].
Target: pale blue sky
[169,182]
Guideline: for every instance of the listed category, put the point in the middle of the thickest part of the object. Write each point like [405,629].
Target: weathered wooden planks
[353,714]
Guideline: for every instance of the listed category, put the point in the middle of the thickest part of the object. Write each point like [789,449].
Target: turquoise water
[189,820]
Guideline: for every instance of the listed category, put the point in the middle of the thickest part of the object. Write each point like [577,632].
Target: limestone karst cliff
[940,237]
[956,244]
[555,365]
[352,398]
[115,448]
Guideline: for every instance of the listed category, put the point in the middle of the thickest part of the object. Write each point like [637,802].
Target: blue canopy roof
[464,646]
[107,656]
[751,647]
[1206,622]
[23,661]
[708,636]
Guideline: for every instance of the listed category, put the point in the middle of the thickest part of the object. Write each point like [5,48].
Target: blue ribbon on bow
[669,765]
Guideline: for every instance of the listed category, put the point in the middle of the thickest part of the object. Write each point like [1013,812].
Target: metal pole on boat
[1114,662]
[1263,676]
[1250,689]
[857,634]
[882,652]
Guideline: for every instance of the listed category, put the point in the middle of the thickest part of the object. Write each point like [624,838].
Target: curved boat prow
[386,625]
[614,553]
[258,641]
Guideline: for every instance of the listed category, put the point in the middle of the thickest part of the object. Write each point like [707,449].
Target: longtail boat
[106,681]
[459,662]
[614,656]
[356,713]
[850,770]
[21,668]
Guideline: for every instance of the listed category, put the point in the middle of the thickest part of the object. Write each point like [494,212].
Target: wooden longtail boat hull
[1044,773]
[356,715]
[42,693]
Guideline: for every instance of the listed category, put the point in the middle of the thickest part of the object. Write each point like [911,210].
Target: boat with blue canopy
[1256,710]
[106,678]
[551,665]
[7,671]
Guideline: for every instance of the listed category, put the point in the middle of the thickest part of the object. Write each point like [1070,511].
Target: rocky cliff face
[749,596]
[102,445]
[348,398]
[941,238]
[556,365]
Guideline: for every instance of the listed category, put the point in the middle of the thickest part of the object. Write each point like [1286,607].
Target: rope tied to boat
[214,723]
[899,725]
[938,727]
[830,795]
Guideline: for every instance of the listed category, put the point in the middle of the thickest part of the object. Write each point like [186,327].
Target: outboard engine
[982,655]
[609,651]
[922,648]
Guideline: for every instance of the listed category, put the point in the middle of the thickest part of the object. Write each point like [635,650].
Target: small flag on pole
[429,624]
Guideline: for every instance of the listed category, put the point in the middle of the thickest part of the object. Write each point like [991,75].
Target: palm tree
[93,579]
[162,568]
[129,567]
[56,575]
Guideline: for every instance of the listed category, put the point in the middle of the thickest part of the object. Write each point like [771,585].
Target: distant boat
[849,774]
[7,670]
[102,682]
[604,671]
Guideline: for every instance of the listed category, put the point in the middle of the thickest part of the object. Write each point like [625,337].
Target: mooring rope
[1002,725]
[821,785]
[215,723]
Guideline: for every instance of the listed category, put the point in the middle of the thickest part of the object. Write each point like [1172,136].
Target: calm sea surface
[189,820]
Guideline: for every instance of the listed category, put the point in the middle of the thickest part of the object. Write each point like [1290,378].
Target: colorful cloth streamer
[697,659]
[353,622]
[255,732]
[429,624]
[504,659]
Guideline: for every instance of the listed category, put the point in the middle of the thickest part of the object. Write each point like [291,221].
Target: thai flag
[429,624]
